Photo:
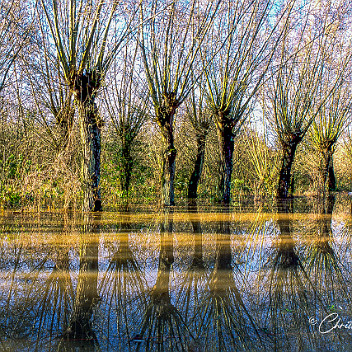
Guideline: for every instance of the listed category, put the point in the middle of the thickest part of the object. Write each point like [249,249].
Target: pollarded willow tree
[301,85]
[170,43]
[334,114]
[87,35]
[243,41]
[326,130]
[127,104]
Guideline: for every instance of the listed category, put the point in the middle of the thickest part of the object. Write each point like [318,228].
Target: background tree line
[105,101]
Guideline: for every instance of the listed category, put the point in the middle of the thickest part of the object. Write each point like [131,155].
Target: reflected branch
[223,319]
[122,287]
[80,325]
[323,264]
[162,321]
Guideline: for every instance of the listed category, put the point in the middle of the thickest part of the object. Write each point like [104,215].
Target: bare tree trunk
[288,156]
[327,175]
[91,147]
[331,175]
[198,168]
[226,144]
[168,161]
[85,86]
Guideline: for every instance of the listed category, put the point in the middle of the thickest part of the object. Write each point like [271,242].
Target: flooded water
[177,280]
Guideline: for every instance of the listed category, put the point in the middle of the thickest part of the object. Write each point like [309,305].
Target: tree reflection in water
[289,291]
[123,290]
[41,292]
[322,262]
[163,328]
[222,321]
[249,284]
[79,331]
[192,286]
[197,261]
[325,266]
[57,293]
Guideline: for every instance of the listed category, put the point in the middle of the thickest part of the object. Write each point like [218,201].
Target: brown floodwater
[209,279]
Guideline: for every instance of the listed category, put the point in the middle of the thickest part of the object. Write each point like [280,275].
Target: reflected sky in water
[206,279]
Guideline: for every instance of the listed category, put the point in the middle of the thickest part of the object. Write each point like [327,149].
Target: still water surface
[177,280]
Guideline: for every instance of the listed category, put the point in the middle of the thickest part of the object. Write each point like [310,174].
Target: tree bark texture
[165,114]
[288,155]
[168,161]
[91,148]
[197,170]
[226,144]
[85,86]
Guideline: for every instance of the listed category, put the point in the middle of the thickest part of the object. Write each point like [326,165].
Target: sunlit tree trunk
[90,131]
[226,145]
[237,71]
[303,92]
[165,121]
[91,147]
[288,155]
